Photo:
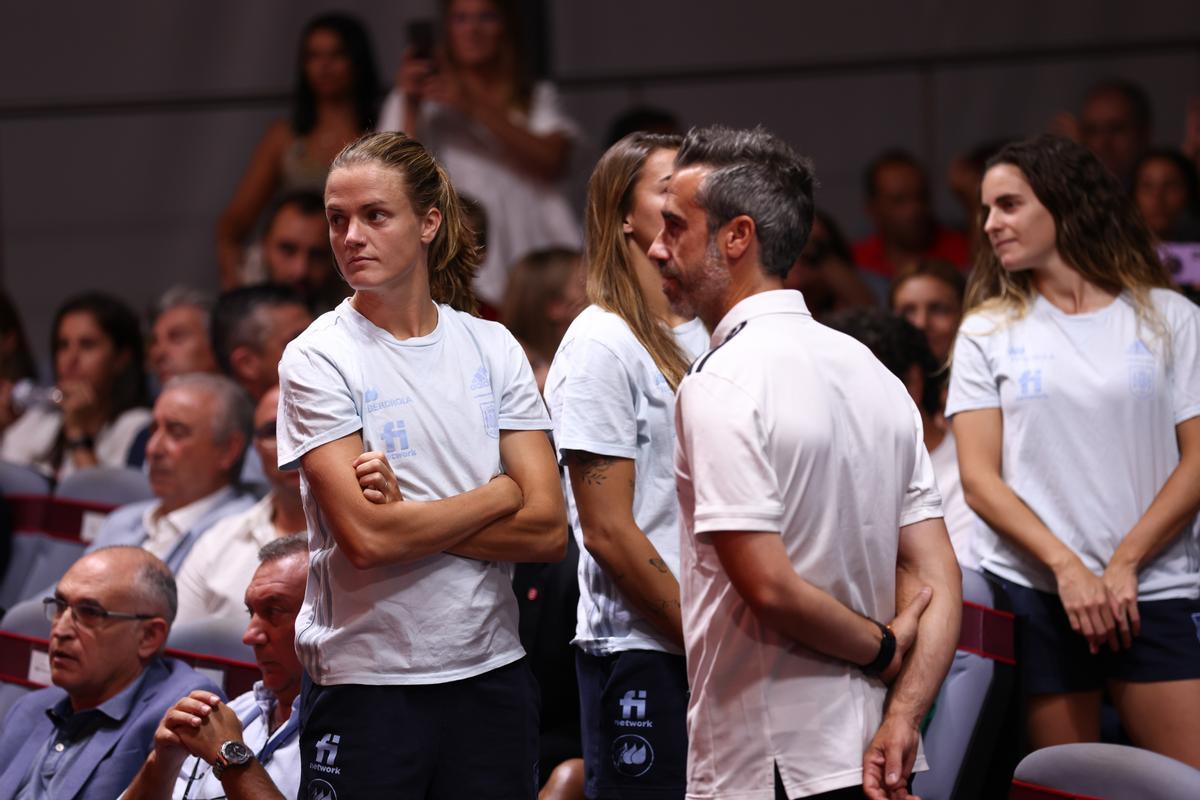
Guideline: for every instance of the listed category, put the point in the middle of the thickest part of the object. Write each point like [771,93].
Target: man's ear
[153,638]
[245,365]
[737,236]
[232,450]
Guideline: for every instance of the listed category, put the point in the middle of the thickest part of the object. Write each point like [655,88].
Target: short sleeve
[1185,360]
[521,405]
[315,404]
[972,383]
[546,114]
[723,442]
[597,411]
[921,497]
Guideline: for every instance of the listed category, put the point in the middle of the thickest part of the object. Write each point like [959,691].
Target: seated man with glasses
[215,575]
[86,736]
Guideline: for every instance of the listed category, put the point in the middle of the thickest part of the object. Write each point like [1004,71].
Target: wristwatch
[231,754]
[887,649]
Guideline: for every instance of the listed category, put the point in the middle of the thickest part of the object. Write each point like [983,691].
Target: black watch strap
[887,650]
[80,443]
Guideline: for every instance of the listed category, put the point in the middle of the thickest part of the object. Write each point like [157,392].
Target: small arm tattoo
[595,468]
[660,565]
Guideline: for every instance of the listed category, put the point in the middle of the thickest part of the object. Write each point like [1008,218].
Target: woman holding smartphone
[505,140]
[1075,401]
[409,625]
[611,392]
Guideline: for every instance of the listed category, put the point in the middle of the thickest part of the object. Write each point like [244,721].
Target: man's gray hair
[184,297]
[277,549]
[232,411]
[757,174]
[153,581]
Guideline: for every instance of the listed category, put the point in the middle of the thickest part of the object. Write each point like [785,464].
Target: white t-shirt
[961,522]
[1089,404]
[524,212]
[789,426]
[436,405]
[606,396]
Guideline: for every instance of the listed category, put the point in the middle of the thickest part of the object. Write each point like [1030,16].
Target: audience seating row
[52,527]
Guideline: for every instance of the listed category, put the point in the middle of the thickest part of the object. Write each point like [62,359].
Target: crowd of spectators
[190,395]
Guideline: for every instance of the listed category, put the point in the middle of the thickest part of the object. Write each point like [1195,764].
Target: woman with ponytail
[419,433]
[611,392]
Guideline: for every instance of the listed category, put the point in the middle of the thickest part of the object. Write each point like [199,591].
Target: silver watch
[231,754]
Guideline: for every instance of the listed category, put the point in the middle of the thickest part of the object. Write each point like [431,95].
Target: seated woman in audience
[545,293]
[1167,192]
[930,296]
[1075,400]
[335,101]
[504,140]
[16,361]
[611,393]
[98,369]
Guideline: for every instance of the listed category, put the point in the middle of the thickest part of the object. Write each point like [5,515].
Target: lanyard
[280,738]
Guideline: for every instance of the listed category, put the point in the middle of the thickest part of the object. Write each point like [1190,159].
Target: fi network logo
[633,705]
[327,751]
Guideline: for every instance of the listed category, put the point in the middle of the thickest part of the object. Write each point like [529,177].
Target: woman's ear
[430,224]
[627,226]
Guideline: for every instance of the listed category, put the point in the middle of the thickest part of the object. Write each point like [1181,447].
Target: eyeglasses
[86,614]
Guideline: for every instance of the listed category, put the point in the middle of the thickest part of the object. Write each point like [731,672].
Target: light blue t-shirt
[436,405]
[607,397]
[1089,404]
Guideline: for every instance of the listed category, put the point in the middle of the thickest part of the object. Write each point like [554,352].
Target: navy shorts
[1054,659]
[633,709]
[476,738]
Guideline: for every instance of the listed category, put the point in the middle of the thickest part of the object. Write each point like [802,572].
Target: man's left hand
[220,726]
[889,759]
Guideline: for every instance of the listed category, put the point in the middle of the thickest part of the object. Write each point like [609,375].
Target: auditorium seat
[108,486]
[1110,771]
[26,492]
[971,706]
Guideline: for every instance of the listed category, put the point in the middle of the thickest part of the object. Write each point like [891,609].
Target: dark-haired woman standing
[409,625]
[336,99]
[1075,399]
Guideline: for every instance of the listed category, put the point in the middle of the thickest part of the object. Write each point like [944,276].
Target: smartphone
[1182,260]
[420,38]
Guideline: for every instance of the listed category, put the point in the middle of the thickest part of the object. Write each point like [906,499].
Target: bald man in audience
[213,579]
[85,737]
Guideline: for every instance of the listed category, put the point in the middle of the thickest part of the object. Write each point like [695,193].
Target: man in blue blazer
[85,737]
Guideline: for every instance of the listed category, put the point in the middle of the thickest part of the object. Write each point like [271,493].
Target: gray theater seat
[960,739]
[1111,771]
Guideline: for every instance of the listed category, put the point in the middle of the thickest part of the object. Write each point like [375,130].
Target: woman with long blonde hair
[1075,401]
[419,435]
[611,393]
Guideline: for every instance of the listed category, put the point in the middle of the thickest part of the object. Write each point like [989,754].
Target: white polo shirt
[787,425]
